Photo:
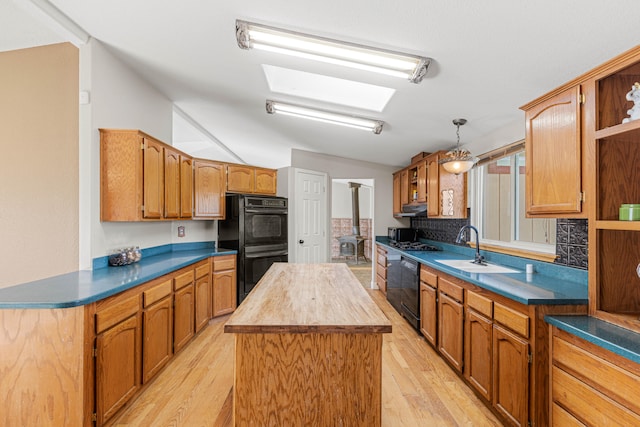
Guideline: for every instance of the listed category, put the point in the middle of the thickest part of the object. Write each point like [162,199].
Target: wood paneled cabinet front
[202,294]
[381,268]
[428,305]
[250,180]
[117,354]
[142,178]
[397,203]
[157,327]
[446,192]
[511,376]
[450,323]
[224,296]
[209,184]
[183,309]
[553,150]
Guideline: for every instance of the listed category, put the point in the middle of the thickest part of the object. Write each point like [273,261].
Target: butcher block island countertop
[308,349]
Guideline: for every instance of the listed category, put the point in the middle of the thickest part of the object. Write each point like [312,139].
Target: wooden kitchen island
[308,343]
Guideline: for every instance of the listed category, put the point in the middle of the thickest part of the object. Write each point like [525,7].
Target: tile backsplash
[571,237]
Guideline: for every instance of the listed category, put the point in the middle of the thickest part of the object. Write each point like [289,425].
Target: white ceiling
[489,58]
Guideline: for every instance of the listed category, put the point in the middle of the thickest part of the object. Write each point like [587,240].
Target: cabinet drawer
[202,270]
[382,283]
[480,304]
[451,289]
[615,382]
[428,277]
[116,313]
[227,262]
[183,280]
[382,272]
[562,418]
[156,293]
[512,319]
[578,398]
[381,259]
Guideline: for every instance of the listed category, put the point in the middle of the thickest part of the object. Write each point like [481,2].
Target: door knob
[301,241]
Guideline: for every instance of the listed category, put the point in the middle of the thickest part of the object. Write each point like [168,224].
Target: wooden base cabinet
[224,285]
[450,322]
[497,345]
[381,268]
[591,386]
[183,309]
[202,294]
[428,305]
[117,355]
[511,376]
[157,327]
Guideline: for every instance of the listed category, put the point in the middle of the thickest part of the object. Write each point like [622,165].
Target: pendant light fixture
[458,160]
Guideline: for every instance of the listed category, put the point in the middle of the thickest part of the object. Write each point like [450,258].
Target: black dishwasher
[403,288]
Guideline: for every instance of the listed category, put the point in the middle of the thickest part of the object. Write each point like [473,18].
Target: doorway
[342,225]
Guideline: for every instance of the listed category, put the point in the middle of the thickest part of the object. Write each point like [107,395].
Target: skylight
[327,89]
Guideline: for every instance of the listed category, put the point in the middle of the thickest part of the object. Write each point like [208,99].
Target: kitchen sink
[470,267]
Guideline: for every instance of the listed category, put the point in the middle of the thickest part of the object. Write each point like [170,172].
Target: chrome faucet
[479,258]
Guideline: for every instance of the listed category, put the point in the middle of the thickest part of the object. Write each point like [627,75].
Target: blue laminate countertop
[550,285]
[86,286]
[616,339]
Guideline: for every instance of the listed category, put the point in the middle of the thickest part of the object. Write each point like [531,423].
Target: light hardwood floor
[418,387]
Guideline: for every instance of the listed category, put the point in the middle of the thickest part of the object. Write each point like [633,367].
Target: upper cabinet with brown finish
[208,189]
[250,180]
[426,181]
[554,155]
[141,178]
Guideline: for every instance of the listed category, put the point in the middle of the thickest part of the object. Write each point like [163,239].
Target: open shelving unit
[614,285]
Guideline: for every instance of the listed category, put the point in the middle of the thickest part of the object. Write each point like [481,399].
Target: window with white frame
[498,204]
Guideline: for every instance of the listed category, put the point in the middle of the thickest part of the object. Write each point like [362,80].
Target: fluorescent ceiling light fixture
[275,107]
[256,36]
[327,89]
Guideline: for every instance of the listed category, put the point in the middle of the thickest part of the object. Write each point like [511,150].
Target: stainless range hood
[412,211]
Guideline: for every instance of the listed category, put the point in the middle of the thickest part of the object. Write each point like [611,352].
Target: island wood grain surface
[303,298]
[308,350]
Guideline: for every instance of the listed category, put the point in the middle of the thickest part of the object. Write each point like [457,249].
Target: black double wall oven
[255,226]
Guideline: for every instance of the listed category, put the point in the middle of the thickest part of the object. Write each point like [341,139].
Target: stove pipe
[355,208]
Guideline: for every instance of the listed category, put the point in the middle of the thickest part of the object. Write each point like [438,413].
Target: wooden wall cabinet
[224,296]
[157,327]
[117,354]
[381,268]
[142,178]
[202,294]
[209,183]
[446,192]
[450,322]
[425,181]
[553,150]
[397,203]
[247,179]
[183,309]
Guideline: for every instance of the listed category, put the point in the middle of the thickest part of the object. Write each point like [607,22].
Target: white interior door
[311,216]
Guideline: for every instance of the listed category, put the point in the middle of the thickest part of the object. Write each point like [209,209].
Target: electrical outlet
[181,231]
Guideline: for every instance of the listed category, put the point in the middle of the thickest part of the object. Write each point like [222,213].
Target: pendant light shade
[458,160]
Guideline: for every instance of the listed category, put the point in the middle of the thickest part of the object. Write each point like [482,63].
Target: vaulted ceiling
[489,58]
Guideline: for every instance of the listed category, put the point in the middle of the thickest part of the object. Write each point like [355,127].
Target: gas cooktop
[412,246]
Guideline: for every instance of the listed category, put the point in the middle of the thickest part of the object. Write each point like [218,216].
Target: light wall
[122,99]
[343,168]
[341,200]
[39,163]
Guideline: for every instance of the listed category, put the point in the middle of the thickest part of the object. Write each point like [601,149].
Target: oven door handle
[266,211]
[266,254]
